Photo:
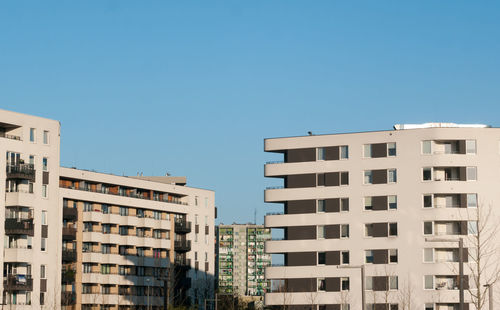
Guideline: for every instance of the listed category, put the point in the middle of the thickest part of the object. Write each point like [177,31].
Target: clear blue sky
[193,87]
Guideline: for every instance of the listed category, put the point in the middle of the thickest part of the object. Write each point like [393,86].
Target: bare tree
[484,253]
[344,299]
[312,296]
[405,295]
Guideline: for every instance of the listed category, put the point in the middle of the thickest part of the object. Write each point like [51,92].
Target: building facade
[395,202]
[130,242]
[241,260]
[31,223]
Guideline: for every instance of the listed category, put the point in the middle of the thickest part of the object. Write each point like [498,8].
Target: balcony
[182,227]
[68,298]
[69,256]
[15,226]
[70,214]
[18,283]
[19,198]
[69,233]
[68,276]
[183,263]
[182,245]
[21,171]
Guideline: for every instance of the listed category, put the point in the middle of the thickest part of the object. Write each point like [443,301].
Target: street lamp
[460,265]
[147,280]
[490,295]
[362,268]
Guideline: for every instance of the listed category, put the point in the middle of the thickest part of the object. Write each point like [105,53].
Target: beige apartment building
[31,217]
[135,242]
[394,202]
[77,239]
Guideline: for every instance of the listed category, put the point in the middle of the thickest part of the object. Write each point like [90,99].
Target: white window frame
[423,148]
[348,281]
[45,191]
[475,199]
[320,154]
[364,203]
[475,173]
[367,148]
[342,258]
[432,174]
[318,204]
[425,282]
[395,148]
[395,175]
[389,202]
[341,201]
[467,142]
[432,254]
[342,147]
[32,134]
[322,229]
[46,137]
[423,201]
[370,176]
[423,228]
[341,229]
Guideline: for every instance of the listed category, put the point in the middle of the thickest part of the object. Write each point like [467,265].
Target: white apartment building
[395,202]
[31,217]
[140,242]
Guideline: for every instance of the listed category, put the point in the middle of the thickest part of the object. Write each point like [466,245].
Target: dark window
[427,228]
[427,174]
[393,255]
[427,201]
[369,256]
[344,178]
[393,229]
[344,204]
[321,258]
[345,257]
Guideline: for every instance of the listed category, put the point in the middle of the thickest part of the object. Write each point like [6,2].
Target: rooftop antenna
[310,133]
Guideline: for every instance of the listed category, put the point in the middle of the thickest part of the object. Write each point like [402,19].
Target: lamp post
[460,265]
[147,280]
[490,295]
[362,268]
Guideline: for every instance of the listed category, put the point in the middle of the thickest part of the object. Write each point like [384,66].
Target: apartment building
[394,202]
[31,222]
[135,242]
[241,260]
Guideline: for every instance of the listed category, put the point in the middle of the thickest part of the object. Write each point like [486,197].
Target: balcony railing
[68,298]
[18,283]
[69,256]
[70,213]
[21,171]
[12,137]
[69,233]
[182,227]
[183,263]
[275,187]
[19,227]
[182,245]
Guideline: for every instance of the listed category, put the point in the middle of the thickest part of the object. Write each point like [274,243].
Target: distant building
[240,260]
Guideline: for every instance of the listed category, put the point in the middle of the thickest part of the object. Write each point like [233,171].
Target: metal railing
[21,171]
[12,137]
[275,162]
[275,187]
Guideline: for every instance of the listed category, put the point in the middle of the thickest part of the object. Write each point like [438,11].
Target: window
[393,256]
[369,256]
[32,134]
[345,307]
[344,178]
[105,248]
[106,289]
[393,229]
[141,252]
[391,149]
[344,257]
[369,283]
[471,174]
[44,217]
[392,176]
[429,307]
[123,230]
[106,228]
[43,247]
[344,152]
[88,226]
[367,150]
[87,207]
[105,268]
[140,213]
[344,231]
[368,177]
[429,282]
[321,153]
[321,232]
[472,227]
[157,215]
[427,174]
[123,211]
[157,234]
[427,201]
[87,268]
[195,200]
[344,204]
[321,258]
[157,253]
[344,284]
[426,147]
[42,299]
[86,246]
[471,201]
[428,255]
[44,191]
[393,282]
[42,272]
[140,232]
[321,284]
[45,163]
[428,228]
[470,146]
[368,203]
[45,137]
[393,202]
[321,206]
[368,230]
[86,288]
[105,208]
[32,159]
